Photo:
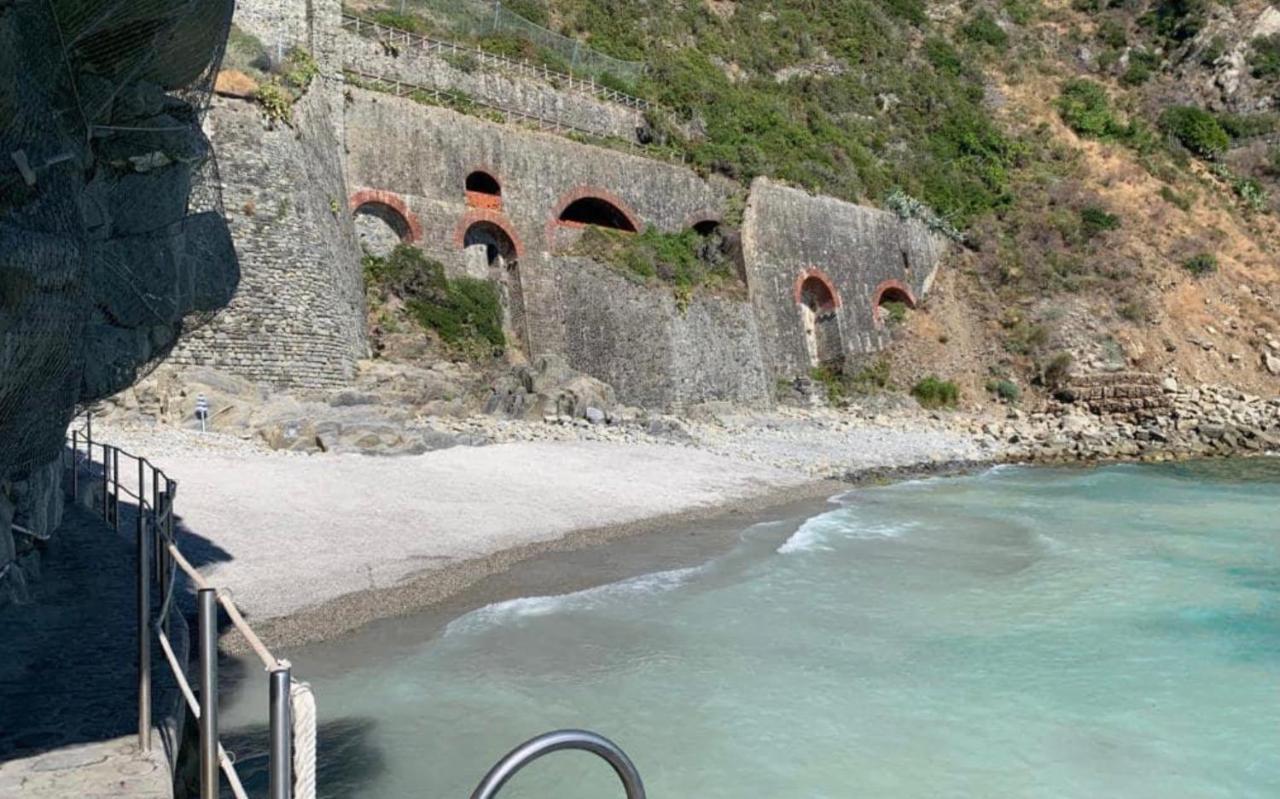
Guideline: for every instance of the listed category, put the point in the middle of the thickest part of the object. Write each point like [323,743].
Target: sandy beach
[289,534]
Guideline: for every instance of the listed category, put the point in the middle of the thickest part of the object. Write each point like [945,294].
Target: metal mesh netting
[475,18]
[112,240]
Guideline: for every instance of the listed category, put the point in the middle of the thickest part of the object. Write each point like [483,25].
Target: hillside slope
[1098,224]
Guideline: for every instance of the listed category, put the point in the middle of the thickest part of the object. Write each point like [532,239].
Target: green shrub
[895,311]
[683,260]
[405,273]
[871,378]
[1245,126]
[1177,20]
[1086,109]
[468,316]
[831,382]
[1141,66]
[533,10]
[1112,33]
[933,392]
[1095,221]
[1202,264]
[1006,390]
[982,28]
[276,102]
[404,22]
[1196,129]
[1264,57]
[300,68]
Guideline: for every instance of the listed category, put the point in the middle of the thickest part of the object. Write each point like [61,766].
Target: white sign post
[202,410]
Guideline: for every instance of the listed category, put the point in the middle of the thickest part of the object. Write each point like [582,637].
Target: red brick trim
[393,201]
[814,272]
[582,193]
[491,202]
[485,215]
[885,287]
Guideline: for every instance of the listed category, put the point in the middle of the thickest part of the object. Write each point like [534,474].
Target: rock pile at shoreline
[1207,421]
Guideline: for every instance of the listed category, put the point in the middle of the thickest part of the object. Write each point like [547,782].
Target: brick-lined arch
[485,215]
[393,201]
[895,287]
[586,192]
[482,199]
[815,273]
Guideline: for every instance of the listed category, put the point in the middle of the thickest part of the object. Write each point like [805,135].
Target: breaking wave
[513,610]
[816,534]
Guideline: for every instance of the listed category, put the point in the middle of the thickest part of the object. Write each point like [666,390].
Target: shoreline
[441,594]
[446,592]
[456,588]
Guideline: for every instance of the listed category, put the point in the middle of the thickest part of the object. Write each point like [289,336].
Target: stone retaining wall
[654,353]
[789,235]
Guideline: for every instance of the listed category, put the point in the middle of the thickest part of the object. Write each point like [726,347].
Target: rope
[304,740]
[268,660]
[224,760]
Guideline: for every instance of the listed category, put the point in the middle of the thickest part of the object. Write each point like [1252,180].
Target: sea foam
[816,534]
[514,610]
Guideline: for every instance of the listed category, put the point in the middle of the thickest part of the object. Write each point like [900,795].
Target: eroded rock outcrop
[111,237]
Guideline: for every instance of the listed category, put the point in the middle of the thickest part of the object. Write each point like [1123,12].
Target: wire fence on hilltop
[479,18]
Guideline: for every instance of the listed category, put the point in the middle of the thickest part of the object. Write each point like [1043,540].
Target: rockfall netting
[475,18]
[112,239]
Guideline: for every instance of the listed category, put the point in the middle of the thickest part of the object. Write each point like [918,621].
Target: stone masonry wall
[423,154]
[298,317]
[530,95]
[637,339]
[789,234]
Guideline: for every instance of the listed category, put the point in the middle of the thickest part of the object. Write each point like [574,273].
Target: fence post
[144,617]
[207,605]
[281,765]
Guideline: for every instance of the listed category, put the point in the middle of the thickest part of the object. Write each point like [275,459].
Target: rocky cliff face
[111,239]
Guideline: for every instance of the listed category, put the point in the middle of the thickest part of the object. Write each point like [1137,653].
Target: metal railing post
[106,483]
[144,632]
[75,465]
[281,766]
[207,605]
[115,474]
[157,540]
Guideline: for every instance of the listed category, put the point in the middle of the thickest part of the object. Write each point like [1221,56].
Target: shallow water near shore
[1017,633]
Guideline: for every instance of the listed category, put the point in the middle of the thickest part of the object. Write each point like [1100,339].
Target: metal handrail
[157,550]
[543,745]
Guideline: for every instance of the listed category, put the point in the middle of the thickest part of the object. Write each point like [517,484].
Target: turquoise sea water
[1019,633]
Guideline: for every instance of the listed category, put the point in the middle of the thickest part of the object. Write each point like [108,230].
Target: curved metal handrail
[535,748]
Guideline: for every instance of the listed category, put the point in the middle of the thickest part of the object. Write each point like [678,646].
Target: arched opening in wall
[891,302]
[495,253]
[820,322]
[707,227]
[483,191]
[597,212]
[379,228]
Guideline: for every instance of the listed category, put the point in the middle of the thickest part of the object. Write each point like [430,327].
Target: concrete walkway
[68,716]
